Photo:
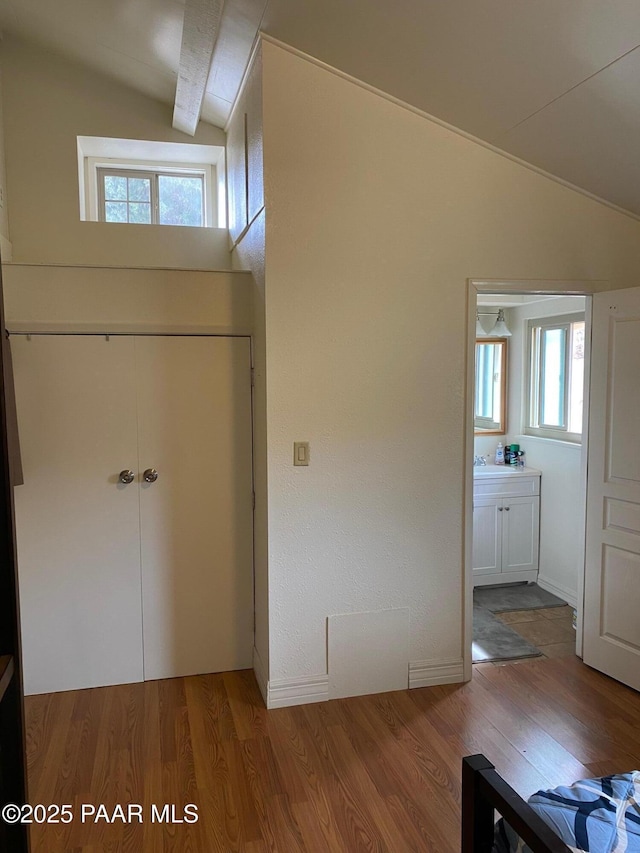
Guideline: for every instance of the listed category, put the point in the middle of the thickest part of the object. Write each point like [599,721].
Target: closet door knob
[150,475]
[126,476]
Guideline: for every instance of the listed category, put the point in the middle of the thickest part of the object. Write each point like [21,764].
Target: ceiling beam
[199,33]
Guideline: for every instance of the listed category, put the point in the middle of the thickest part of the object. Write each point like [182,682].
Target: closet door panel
[194,405]
[77,525]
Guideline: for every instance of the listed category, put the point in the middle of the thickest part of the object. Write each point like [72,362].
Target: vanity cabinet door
[487,536]
[520,522]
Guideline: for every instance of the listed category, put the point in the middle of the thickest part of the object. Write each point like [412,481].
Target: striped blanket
[594,815]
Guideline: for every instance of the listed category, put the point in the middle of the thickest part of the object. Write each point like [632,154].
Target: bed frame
[484,790]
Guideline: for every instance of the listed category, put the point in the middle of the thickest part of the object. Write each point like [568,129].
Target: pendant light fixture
[500,330]
[480,332]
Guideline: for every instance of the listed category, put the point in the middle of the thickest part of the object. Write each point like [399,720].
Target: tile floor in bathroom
[549,629]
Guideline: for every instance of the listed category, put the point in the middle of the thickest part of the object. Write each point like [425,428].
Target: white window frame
[144,153]
[534,367]
[486,422]
[96,165]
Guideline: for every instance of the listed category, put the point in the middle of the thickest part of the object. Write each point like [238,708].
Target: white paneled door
[612,573]
[194,423]
[125,581]
[78,534]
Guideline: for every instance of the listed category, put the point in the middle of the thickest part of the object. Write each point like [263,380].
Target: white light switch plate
[300,452]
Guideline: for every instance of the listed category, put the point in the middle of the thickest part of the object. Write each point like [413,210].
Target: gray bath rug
[492,640]
[522,596]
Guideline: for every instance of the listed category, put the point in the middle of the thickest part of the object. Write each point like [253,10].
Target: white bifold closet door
[194,427]
[124,582]
[78,529]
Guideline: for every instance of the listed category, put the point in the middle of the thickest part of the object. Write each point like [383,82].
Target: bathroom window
[556,377]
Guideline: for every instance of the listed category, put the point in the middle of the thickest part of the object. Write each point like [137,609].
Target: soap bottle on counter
[499,460]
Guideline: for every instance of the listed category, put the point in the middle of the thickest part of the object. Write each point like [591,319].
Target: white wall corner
[260,672]
[283,692]
[569,595]
[429,673]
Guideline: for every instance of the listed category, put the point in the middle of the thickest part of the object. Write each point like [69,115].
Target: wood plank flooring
[375,773]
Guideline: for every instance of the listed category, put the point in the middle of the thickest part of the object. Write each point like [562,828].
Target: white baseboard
[561,591]
[283,692]
[261,674]
[428,673]
[505,577]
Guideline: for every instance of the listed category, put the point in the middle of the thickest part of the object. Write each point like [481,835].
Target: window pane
[139,212]
[180,200]
[140,190]
[115,211]
[482,382]
[552,379]
[115,188]
[488,385]
[576,386]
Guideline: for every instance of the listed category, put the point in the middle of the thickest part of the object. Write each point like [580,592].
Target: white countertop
[483,471]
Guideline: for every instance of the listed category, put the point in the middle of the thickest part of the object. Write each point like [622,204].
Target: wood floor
[376,773]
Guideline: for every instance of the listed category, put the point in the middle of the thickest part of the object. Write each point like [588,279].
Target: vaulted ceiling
[554,82]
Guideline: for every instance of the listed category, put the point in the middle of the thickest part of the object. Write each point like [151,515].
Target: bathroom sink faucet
[479,460]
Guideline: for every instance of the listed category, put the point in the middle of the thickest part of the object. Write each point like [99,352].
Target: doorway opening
[525,520]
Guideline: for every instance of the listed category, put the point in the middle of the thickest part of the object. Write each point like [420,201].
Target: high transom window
[145,182]
[151,197]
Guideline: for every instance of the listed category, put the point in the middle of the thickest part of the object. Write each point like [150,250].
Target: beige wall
[48,102]
[45,298]
[5,245]
[247,227]
[374,215]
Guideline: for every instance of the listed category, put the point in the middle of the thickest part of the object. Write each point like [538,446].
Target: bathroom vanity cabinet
[506,525]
